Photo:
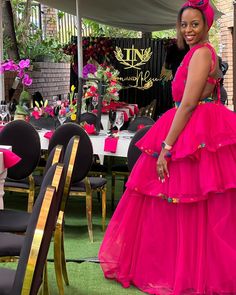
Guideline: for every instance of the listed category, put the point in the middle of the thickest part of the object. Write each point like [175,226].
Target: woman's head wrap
[205,7]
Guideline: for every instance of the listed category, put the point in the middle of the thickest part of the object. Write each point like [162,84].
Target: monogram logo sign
[135,59]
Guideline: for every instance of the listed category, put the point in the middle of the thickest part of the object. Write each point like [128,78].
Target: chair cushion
[7,277]
[13,221]
[10,244]
[95,182]
[23,183]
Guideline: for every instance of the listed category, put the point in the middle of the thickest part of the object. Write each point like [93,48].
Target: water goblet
[94,102]
[119,121]
[3,112]
[61,117]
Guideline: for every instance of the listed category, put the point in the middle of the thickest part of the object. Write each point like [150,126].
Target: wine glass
[94,102]
[3,112]
[61,117]
[119,121]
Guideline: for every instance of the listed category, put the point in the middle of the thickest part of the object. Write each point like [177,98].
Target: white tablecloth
[98,143]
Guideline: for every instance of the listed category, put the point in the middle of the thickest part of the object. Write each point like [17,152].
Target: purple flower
[27,81]
[89,69]
[24,63]
[9,66]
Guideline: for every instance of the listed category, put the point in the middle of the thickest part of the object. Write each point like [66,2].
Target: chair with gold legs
[25,142]
[122,170]
[27,279]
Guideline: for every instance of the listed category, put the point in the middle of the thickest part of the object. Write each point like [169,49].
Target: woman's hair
[180,39]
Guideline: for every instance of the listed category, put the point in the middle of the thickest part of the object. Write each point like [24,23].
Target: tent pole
[80,60]
[2,92]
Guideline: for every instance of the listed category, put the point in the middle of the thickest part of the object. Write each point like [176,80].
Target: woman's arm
[198,71]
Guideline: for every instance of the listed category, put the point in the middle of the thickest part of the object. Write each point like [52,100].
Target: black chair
[132,156]
[97,169]
[25,142]
[17,221]
[82,185]
[28,276]
[122,169]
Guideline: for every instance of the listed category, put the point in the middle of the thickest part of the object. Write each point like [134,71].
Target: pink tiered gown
[179,237]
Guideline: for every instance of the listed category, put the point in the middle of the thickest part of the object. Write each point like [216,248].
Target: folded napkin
[48,134]
[110,144]
[10,159]
[90,128]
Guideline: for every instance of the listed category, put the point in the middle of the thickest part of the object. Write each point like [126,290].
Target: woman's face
[193,27]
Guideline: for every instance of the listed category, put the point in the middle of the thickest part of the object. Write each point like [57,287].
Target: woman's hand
[162,169]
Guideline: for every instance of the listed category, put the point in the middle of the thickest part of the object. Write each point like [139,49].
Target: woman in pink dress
[174,230]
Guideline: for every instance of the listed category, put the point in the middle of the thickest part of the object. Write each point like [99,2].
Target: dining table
[98,143]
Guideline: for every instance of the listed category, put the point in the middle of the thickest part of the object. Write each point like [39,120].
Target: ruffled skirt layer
[179,237]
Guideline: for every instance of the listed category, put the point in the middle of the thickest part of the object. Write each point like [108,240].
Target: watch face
[163,145]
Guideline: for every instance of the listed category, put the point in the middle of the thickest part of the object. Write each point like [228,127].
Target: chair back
[25,142]
[84,155]
[133,151]
[42,222]
[90,118]
[55,156]
[142,120]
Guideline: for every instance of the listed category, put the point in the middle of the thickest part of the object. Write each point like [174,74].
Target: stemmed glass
[94,102]
[61,117]
[119,121]
[3,112]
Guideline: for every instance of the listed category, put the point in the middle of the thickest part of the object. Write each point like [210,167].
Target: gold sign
[134,58]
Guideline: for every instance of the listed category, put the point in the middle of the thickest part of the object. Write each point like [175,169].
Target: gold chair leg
[30,201]
[63,261]
[104,196]
[113,183]
[57,253]
[89,214]
[45,286]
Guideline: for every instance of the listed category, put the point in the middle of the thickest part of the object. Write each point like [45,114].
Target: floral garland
[99,49]
[108,75]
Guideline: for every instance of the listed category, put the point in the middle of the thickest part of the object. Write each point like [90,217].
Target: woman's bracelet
[166,146]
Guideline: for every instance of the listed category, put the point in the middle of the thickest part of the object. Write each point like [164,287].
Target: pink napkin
[1,127]
[48,134]
[110,144]
[10,158]
[89,128]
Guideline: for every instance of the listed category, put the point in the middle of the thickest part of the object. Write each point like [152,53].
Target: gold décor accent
[37,240]
[132,54]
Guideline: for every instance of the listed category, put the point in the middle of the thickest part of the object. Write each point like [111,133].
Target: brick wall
[48,78]
[226,43]
[49,21]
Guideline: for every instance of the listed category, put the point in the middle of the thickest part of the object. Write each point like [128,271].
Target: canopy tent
[139,15]
[145,16]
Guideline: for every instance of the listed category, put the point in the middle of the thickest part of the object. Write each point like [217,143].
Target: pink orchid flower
[27,81]
[24,63]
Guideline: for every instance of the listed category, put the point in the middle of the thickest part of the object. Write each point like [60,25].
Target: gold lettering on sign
[142,80]
[134,58]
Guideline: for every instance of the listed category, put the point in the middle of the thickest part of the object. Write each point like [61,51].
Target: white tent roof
[139,15]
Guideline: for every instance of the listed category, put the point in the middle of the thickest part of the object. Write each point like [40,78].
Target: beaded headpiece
[205,7]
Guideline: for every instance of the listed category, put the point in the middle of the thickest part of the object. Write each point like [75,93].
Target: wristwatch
[166,146]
